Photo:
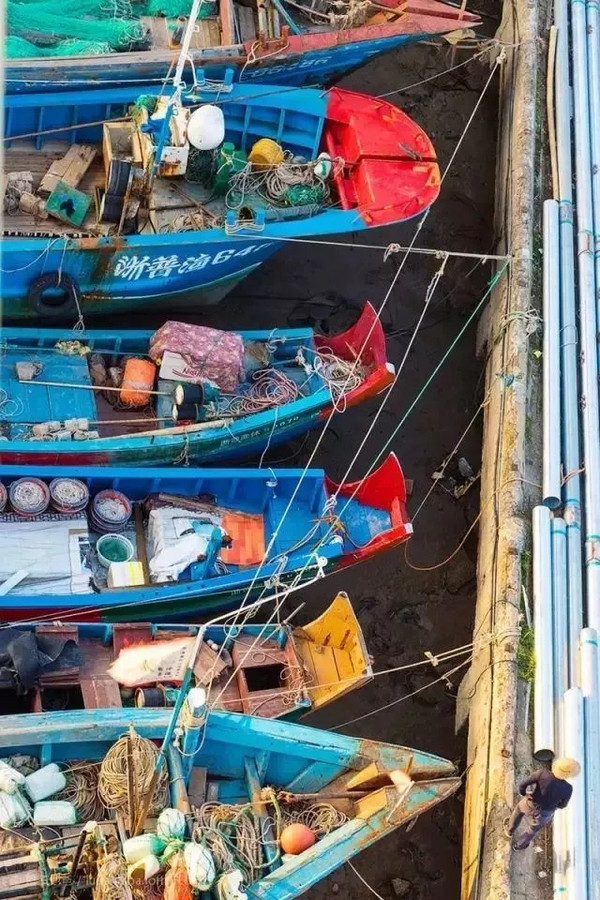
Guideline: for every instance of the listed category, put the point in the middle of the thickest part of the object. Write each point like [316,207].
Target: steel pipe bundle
[567,659]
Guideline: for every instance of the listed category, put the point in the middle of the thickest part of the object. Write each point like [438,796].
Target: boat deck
[171,197]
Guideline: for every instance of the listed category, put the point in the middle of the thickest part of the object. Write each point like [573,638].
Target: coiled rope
[82,790]
[113,777]
[321,818]
[268,388]
[279,184]
[233,836]
[111,880]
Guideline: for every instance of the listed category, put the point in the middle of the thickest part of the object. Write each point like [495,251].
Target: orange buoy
[297,838]
[138,379]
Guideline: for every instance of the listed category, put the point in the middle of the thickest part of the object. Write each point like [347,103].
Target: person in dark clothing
[541,795]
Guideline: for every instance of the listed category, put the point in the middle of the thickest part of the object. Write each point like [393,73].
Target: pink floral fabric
[219,354]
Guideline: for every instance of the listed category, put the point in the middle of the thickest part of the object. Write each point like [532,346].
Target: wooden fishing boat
[190,540]
[344,370]
[247,777]
[314,44]
[121,211]
[269,670]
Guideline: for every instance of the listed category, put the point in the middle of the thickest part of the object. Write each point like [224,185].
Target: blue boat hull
[134,273]
[125,272]
[321,66]
[241,755]
[299,543]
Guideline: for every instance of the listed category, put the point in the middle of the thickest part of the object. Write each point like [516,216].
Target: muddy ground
[403,609]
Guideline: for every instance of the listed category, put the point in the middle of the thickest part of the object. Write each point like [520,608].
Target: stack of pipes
[567,679]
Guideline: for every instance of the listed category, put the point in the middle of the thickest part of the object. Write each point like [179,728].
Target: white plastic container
[148,864]
[45,782]
[10,779]
[136,848]
[54,812]
[14,810]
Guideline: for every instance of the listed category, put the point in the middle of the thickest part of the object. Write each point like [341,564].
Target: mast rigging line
[433,284]
[395,702]
[254,606]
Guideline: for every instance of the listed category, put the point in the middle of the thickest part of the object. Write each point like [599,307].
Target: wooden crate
[70,169]
[120,140]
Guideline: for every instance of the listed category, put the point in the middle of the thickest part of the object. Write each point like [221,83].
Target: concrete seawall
[498,746]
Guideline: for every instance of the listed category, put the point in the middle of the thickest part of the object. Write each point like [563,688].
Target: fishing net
[85,27]
[18,48]
[172,9]
[89,20]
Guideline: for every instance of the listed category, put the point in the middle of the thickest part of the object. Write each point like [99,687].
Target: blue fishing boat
[301,801]
[273,42]
[269,670]
[114,544]
[301,378]
[116,206]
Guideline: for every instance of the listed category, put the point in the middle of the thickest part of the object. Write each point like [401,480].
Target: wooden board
[197,786]
[98,689]
[70,169]
[208,666]
[247,26]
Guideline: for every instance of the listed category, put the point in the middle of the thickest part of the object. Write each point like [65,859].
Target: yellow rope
[113,780]
[111,880]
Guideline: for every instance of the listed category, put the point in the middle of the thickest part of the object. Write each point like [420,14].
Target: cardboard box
[125,574]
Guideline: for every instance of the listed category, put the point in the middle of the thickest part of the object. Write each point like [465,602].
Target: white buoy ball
[206,127]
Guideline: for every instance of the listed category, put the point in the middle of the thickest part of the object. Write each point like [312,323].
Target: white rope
[366,883]
[429,293]
[431,289]
[424,687]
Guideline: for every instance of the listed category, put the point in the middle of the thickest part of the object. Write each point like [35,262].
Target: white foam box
[125,574]
[174,367]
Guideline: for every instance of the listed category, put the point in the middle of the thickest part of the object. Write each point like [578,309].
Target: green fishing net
[172,9]
[145,101]
[19,48]
[40,26]
[36,28]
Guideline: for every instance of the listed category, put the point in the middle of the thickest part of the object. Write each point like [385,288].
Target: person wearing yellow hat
[542,794]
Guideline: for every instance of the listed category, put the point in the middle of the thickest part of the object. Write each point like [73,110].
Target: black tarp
[25,656]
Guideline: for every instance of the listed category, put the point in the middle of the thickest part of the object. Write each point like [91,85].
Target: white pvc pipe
[587,310]
[575,813]
[543,695]
[590,689]
[571,452]
[559,616]
[551,486]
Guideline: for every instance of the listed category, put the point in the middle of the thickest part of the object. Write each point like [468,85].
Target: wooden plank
[197,786]
[127,633]
[261,812]
[100,694]
[247,26]
[208,666]
[70,169]
[98,689]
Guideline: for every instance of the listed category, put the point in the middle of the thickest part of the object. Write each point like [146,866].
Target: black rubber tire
[118,177]
[42,307]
